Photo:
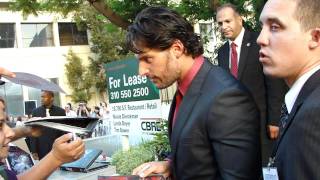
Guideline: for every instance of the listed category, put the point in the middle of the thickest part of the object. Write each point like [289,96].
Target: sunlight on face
[230,23]
[6,133]
[161,67]
[284,44]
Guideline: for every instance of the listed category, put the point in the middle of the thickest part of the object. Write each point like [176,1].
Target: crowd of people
[41,146]
[222,118]
[63,150]
[100,111]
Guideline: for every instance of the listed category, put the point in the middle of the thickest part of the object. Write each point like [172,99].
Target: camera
[82,105]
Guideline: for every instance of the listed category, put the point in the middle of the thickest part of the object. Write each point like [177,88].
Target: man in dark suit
[42,145]
[267,92]
[212,123]
[290,49]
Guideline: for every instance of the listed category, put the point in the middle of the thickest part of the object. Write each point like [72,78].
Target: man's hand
[62,151]
[6,72]
[273,132]
[160,167]
[65,151]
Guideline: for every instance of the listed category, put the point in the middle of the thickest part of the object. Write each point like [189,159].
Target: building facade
[38,45]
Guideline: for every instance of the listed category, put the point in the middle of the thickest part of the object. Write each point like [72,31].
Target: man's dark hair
[228,5]
[158,28]
[49,92]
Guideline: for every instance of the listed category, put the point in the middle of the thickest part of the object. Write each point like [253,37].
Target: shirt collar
[185,83]
[294,91]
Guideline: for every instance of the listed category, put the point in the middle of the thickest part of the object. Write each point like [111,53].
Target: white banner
[135,117]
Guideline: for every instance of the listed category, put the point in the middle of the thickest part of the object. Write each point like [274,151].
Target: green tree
[107,21]
[155,150]
[121,13]
[159,145]
[79,78]
[107,43]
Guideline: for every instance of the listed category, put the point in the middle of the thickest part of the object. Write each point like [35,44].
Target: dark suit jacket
[216,134]
[267,92]
[43,144]
[298,151]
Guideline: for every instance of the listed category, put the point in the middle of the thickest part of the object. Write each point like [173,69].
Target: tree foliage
[159,145]
[107,21]
[122,12]
[107,42]
[126,161]
[156,149]
[79,78]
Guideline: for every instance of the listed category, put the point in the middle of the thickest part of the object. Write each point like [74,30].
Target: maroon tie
[234,60]
[178,102]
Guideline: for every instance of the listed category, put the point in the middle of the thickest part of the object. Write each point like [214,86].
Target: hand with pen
[67,148]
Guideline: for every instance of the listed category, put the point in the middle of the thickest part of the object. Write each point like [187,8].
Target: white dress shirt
[238,42]
[294,91]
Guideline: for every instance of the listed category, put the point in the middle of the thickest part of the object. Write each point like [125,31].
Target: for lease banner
[135,105]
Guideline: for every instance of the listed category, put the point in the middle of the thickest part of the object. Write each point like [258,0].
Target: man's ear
[177,48]
[240,20]
[315,38]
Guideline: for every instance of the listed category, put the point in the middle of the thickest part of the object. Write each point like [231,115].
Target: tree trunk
[114,18]
[214,4]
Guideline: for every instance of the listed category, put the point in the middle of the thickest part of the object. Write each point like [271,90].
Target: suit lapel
[187,104]
[312,83]
[244,53]
[224,59]
[171,114]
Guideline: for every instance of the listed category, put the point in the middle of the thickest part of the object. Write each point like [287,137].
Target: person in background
[63,151]
[83,110]
[41,146]
[213,119]
[69,111]
[10,121]
[70,105]
[240,56]
[104,111]
[290,49]
[19,121]
[96,112]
